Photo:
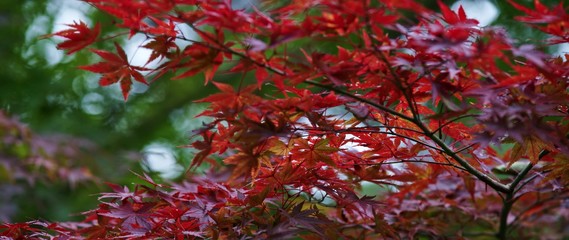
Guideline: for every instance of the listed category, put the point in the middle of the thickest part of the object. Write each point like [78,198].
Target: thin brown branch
[377,131]
[360,99]
[471,169]
[453,120]
[413,161]
[372,129]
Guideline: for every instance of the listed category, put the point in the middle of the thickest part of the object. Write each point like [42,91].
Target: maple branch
[413,161]
[363,100]
[525,171]
[527,181]
[521,175]
[412,104]
[471,169]
[362,129]
[508,202]
[228,50]
[465,147]
[371,131]
[453,120]
[309,82]
[446,149]
[394,127]
[113,36]
[510,197]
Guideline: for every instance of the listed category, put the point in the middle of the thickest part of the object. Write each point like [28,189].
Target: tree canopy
[316,120]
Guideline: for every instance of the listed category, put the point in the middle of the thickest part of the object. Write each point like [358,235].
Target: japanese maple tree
[462,130]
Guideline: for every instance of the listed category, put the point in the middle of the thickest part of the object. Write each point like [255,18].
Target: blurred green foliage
[57,98]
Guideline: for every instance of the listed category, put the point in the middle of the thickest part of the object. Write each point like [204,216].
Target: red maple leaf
[116,69]
[541,14]
[78,36]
